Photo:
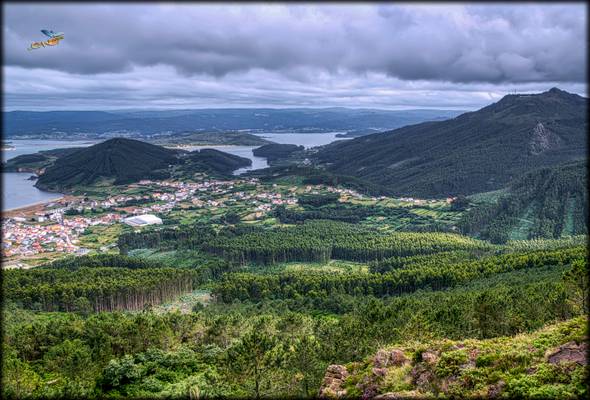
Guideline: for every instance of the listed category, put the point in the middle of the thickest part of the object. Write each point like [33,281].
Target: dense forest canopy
[124,160]
[474,152]
[546,203]
[213,162]
[276,151]
[268,328]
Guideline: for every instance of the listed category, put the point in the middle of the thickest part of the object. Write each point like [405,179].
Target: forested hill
[276,151]
[549,203]
[213,162]
[474,152]
[125,160]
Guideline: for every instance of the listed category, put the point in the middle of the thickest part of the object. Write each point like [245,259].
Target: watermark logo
[53,40]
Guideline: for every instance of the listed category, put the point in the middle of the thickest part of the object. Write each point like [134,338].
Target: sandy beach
[33,208]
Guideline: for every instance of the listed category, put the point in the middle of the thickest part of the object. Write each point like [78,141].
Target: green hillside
[549,363]
[546,203]
[475,152]
[36,161]
[276,151]
[124,160]
[213,162]
[27,163]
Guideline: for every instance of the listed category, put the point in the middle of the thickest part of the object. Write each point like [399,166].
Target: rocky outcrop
[430,357]
[381,362]
[495,390]
[570,352]
[543,139]
[423,377]
[387,358]
[550,360]
[332,385]
[398,395]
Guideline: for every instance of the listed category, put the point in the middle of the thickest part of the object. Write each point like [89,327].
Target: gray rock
[570,352]
[388,358]
[332,384]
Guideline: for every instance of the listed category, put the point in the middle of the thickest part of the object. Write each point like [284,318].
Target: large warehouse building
[142,220]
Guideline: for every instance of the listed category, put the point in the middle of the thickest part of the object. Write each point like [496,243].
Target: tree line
[189,237]
[319,241]
[435,276]
[105,283]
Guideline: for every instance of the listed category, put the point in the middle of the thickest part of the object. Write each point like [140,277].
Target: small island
[274,152]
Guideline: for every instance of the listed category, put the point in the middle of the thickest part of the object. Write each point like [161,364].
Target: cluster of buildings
[22,238]
[58,229]
[420,202]
[214,193]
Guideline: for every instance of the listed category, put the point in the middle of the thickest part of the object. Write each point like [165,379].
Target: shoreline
[36,204]
[182,146]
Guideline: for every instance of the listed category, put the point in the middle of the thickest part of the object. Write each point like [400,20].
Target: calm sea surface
[18,191]
[302,139]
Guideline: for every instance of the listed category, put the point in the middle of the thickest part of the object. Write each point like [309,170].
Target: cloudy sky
[390,56]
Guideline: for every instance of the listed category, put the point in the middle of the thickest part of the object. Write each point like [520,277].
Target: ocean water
[32,146]
[18,191]
[306,140]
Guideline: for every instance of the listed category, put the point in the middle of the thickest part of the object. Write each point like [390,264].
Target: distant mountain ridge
[211,138]
[475,152]
[142,123]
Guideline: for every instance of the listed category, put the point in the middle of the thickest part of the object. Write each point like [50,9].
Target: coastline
[32,205]
[183,146]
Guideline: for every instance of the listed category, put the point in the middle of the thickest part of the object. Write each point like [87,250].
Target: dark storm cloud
[354,55]
[160,87]
[525,43]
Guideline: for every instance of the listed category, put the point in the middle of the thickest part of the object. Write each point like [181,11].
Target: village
[58,226]
[57,229]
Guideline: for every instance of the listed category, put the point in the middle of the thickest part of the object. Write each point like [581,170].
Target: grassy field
[568,228]
[525,223]
[487,197]
[99,236]
[176,258]
[336,266]
[185,303]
